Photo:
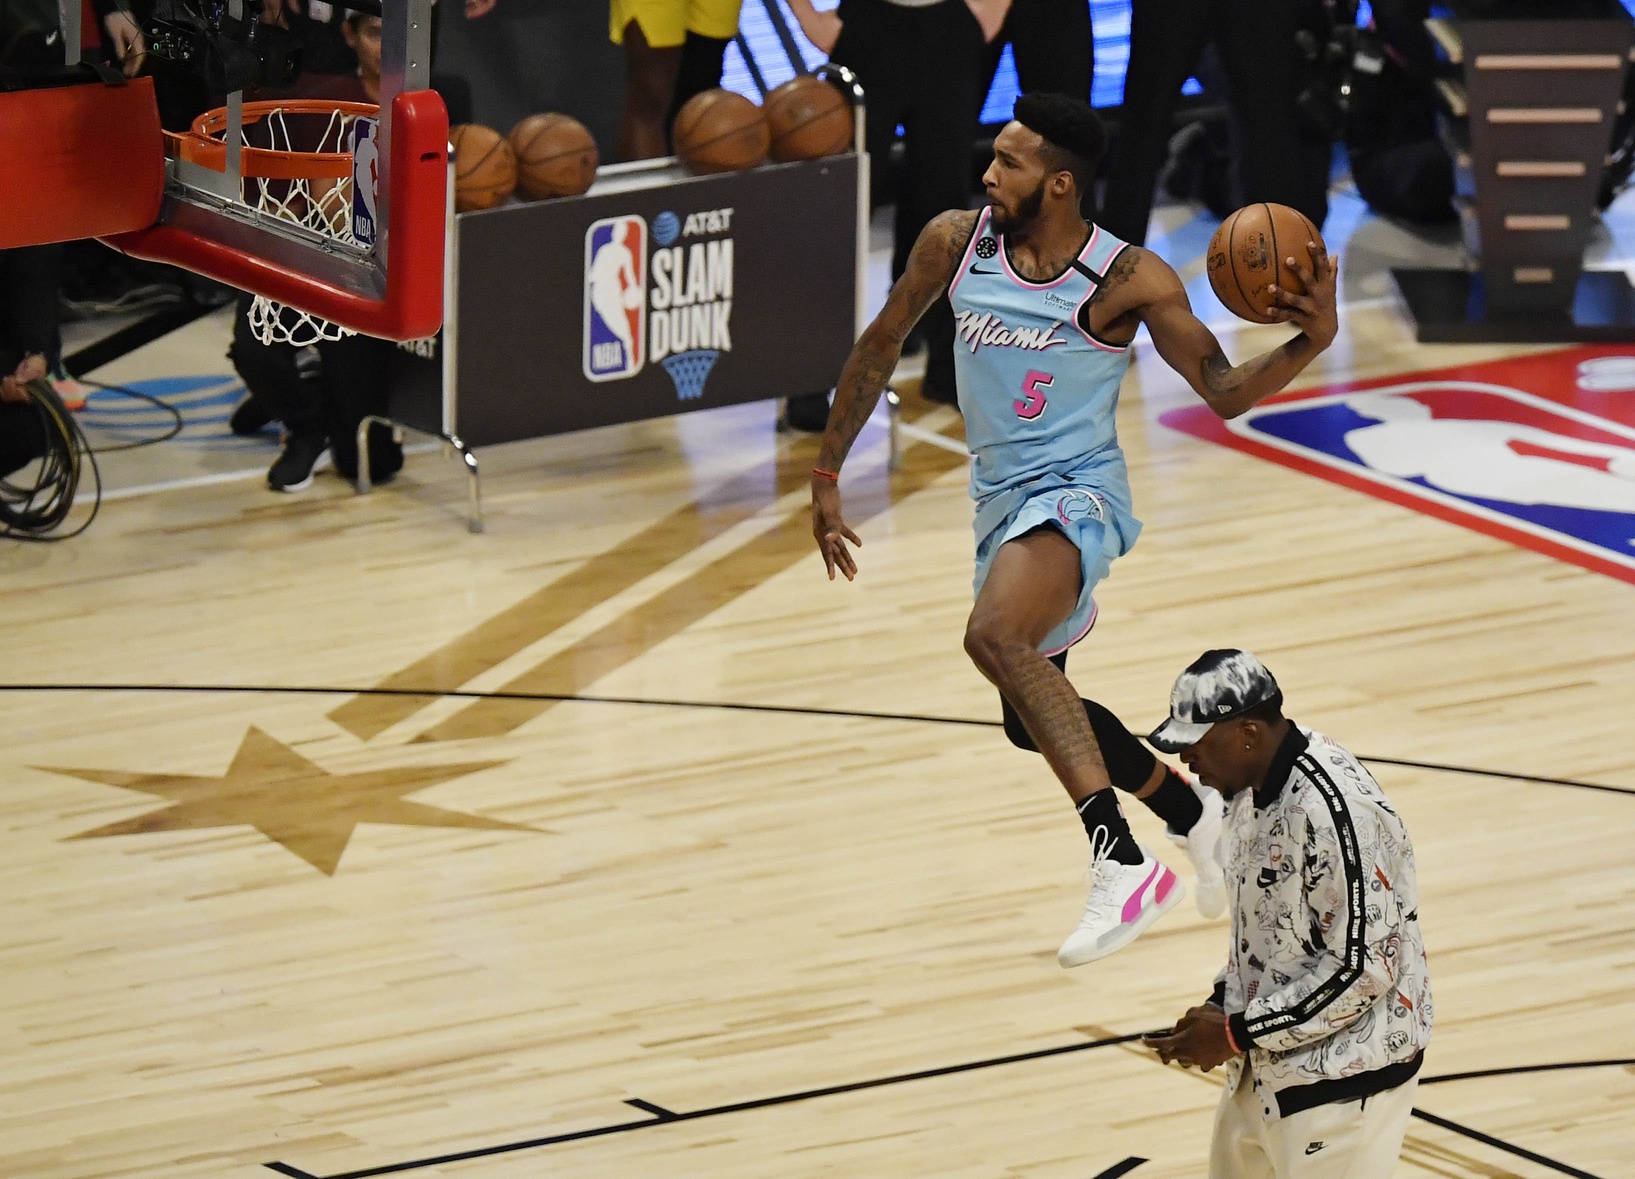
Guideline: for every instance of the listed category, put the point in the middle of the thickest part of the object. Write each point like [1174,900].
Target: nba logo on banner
[365,179]
[615,298]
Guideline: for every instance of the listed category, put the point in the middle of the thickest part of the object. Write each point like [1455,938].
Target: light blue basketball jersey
[1037,390]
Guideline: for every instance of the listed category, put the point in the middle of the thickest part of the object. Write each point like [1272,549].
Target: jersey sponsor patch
[615,344]
[1537,450]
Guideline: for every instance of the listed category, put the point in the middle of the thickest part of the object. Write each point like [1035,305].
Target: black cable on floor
[34,512]
[177,425]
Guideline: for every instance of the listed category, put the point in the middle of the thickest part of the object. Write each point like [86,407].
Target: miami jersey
[1038,391]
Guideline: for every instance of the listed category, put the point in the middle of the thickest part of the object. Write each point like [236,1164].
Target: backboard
[390,286]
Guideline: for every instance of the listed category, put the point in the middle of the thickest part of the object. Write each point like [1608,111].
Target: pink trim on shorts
[1094,611]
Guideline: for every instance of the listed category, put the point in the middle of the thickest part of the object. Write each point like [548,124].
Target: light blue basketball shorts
[1078,513]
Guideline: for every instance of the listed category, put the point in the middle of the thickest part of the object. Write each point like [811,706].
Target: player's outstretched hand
[1316,313]
[830,529]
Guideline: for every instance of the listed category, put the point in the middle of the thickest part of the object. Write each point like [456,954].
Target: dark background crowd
[1221,102]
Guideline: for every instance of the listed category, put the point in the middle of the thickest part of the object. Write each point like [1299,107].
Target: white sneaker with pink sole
[1124,900]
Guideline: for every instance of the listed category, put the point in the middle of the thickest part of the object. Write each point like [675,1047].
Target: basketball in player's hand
[719,131]
[1249,253]
[485,167]
[808,118]
[556,156]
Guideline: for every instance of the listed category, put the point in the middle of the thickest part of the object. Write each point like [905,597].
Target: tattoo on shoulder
[956,227]
[1123,267]
[938,251]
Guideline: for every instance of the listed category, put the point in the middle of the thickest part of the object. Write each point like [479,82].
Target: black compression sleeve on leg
[1129,763]
[1015,729]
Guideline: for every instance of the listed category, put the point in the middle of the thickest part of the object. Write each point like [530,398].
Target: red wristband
[822,474]
[1230,1041]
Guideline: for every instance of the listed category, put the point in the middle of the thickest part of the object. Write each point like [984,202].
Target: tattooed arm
[930,269]
[1152,293]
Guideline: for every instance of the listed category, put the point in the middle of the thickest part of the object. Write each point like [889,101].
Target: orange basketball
[485,167]
[719,131]
[808,118]
[556,156]
[1248,252]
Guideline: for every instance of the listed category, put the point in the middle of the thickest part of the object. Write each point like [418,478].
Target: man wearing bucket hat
[1323,1010]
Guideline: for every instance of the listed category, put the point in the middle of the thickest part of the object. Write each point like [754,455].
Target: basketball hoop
[300,169]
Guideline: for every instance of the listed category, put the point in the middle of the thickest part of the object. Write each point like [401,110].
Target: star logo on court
[290,800]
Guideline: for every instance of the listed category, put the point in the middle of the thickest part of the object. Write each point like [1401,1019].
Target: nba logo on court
[1536,450]
[615,298]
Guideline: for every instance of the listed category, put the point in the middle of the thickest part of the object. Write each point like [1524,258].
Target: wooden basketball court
[619,842]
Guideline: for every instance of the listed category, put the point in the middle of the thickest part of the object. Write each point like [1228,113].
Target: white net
[321,205]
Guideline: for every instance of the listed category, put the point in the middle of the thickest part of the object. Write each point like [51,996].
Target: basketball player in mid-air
[1046,306]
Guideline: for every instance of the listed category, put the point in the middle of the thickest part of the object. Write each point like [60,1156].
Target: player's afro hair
[1070,128]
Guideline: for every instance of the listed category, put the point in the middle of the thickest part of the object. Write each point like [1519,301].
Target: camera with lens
[1328,45]
[229,52]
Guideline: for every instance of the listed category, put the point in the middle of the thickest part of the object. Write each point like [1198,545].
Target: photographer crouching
[22,428]
[35,426]
[30,340]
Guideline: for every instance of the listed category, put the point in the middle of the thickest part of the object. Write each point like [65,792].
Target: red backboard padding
[412,306]
[85,161]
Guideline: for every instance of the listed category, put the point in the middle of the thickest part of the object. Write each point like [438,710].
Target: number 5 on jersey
[1032,402]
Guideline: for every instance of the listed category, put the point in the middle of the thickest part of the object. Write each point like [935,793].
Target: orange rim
[202,144]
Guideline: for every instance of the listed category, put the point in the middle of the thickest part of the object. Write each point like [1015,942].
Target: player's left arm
[1192,350]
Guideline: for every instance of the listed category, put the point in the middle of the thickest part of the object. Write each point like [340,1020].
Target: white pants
[1344,1140]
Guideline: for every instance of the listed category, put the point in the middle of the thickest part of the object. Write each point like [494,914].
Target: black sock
[1176,803]
[1100,812]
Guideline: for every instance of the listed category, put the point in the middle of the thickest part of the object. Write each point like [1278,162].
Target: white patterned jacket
[1326,986]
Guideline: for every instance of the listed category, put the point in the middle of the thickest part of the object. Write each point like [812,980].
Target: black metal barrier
[745,284]
[656,293]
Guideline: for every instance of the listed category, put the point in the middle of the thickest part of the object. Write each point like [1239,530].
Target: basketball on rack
[1248,254]
[719,131]
[808,118]
[556,156]
[485,167]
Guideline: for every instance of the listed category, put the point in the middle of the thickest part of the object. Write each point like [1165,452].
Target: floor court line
[1501,1144]
[723,705]
[667,1117]
[664,1116]
[1123,1168]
